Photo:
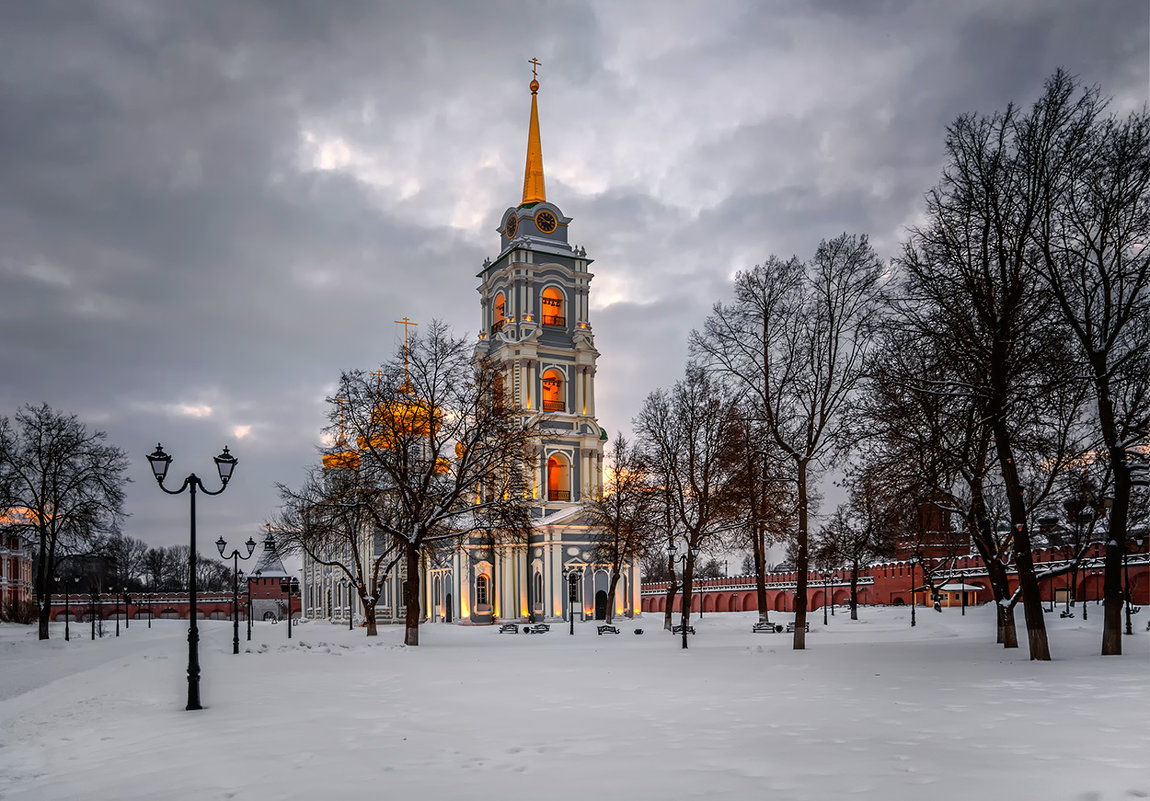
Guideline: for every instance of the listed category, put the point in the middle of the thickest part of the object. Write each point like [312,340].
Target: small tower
[535,324]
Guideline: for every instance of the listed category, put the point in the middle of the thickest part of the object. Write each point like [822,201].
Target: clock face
[509,229]
[545,221]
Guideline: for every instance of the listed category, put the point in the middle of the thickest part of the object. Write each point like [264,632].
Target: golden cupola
[341,456]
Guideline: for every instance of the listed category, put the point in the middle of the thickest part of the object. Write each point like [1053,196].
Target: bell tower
[535,323]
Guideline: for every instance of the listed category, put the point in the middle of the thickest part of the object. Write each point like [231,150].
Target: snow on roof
[270,565]
[957,586]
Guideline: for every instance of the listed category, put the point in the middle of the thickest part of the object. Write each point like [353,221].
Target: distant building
[15,563]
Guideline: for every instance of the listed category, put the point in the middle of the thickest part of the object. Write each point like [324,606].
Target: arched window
[538,590]
[553,313]
[498,313]
[482,597]
[553,392]
[558,485]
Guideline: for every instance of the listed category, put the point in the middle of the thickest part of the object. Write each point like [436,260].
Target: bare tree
[440,454]
[331,518]
[796,341]
[1093,232]
[622,515]
[972,285]
[68,485]
[687,435]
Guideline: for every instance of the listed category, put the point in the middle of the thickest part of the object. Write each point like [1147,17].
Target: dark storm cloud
[207,211]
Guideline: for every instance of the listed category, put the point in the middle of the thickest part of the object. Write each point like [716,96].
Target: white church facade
[535,323]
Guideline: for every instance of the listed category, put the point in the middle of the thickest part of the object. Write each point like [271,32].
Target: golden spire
[533,188]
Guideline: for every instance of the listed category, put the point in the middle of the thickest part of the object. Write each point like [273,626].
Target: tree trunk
[672,591]
[611,596]
[855,590]
[411,598]
[760,571]
[802,562]
[369,616]
[1007,630]
[44,576]
[1023,557]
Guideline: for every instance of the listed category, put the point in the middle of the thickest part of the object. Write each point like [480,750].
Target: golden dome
[343,457]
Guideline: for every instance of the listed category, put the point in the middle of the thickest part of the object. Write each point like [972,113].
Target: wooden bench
[608,629]
[679,629]
[764,626]
[537,628]
[509,628]
[791,627]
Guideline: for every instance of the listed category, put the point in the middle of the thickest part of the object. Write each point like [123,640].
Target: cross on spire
[535,64]
[406,350]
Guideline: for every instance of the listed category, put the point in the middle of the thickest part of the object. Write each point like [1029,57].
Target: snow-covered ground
[873,709]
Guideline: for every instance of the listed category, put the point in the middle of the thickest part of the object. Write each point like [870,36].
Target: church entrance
[601,605]
[448,610]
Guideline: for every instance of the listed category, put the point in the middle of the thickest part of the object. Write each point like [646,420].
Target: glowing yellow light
[464,605]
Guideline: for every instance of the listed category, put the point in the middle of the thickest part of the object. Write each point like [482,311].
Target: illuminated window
[558,485]
[481,594]
[498,317]
[553,313]
[553,391]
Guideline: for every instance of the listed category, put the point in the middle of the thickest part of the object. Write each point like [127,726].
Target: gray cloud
[220,207]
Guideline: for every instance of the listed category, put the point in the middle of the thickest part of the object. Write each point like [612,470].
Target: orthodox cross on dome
[406,376]
[534,62]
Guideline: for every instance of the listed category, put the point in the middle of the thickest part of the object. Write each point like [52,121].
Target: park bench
[509,628]
[537,628]
[607,628]
[679,629]
[791,627]
[764,626]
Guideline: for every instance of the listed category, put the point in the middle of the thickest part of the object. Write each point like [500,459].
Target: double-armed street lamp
[221,545]
[685,607]
[573,576]
[225,464]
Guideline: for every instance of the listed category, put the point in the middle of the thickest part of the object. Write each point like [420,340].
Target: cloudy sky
[207,210]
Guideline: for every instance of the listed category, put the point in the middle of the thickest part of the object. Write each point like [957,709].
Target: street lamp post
[92,616]
[834,578]
[573,575]
[912,597]
[685,606]
[1126,591]
[221,545]
[225,464]
[826,585]
[150,610]
[118,591]
[257,574]
[347,585]
[74,581]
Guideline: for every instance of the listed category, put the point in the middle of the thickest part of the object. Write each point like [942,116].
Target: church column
[578,390]
[521,371]
[530,395]
[591,391]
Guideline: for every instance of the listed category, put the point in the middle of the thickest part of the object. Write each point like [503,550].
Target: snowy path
[872,709]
